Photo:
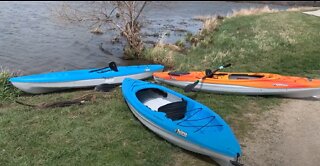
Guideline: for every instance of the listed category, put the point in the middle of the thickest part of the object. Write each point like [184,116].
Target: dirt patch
[184,157]
[287,135]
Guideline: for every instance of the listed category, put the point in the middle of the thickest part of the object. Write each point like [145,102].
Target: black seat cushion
[175,110]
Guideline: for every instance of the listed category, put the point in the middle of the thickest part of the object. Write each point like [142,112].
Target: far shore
[287,3]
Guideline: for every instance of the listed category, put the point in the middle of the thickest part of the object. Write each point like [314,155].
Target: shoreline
[105,131]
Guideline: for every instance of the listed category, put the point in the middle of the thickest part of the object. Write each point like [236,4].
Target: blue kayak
[182,121]
[54,81]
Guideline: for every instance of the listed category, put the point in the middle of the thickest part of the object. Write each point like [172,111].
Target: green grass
[285,43]
[105,132]
[7,91]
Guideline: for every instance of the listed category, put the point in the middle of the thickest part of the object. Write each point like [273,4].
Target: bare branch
[112,11]
[100,13]
[141,9]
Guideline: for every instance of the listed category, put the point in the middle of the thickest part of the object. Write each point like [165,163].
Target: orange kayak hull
[245,83]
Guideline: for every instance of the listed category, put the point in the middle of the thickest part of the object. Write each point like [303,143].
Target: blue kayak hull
[202,132]
[56,81]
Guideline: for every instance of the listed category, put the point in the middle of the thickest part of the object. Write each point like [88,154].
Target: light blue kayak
[54,81]
[182,121]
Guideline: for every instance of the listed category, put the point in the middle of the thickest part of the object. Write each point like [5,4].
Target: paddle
[106,87]
[209,73]
[112,66]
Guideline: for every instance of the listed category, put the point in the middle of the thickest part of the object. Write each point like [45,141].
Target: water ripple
[33,41]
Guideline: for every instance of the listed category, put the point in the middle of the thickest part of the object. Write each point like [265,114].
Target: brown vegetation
[123,15]
[252,11]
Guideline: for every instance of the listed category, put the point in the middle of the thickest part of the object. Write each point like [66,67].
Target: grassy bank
[105,132]
[284,42]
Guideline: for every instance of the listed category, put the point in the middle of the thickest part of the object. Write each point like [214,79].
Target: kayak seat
[175,110]
[178,73]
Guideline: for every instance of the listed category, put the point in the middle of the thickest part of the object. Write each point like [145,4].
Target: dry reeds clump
[161,44]
[210,24]
[203,18]
[252,11]
[163,54]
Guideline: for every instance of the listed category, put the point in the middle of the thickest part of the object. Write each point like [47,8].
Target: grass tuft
[7,90]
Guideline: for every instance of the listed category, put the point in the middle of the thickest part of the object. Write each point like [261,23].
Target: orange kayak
[245,83]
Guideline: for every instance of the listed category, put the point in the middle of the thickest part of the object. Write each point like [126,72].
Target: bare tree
[123,15]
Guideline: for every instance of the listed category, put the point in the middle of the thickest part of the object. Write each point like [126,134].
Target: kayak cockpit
[158,100]
[244,76]
[237,76]
[192,115]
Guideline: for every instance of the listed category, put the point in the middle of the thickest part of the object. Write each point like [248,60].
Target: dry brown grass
[266,9]
[96,30]
[203,18]
[162,45]
[252,11]
[164,54]
[210,24]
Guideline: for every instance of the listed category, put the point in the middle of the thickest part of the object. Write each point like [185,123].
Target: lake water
[34,40]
